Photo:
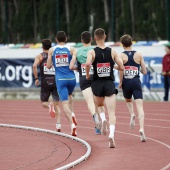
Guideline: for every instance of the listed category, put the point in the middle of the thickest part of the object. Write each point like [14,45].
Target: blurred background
[29,21]
[24,23]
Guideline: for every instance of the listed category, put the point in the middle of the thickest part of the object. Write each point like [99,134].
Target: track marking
[166,167]
[70,165]
[163,127]
[145,125]
[154,140]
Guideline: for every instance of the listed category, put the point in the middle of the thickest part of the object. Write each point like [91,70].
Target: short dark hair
[61,36]
[126,40]
[86,37]
[46,44]
[99,33]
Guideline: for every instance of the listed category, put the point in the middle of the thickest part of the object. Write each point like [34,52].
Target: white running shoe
[58,127]
[104,127]
[111,142]
[132,121]
[73,130]
[142,136]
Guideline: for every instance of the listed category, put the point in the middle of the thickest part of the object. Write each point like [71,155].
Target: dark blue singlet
[131,84]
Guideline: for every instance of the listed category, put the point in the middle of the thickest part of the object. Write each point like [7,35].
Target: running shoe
[111,142]
[97,131]
[58,127]
[132,121]
[74,119]
[97,121]
[104,127]
[51,110]
[73,130]
[142,136]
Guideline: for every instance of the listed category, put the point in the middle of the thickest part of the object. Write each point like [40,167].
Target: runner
[103,59]
[130,81]
[80,56]
[60,56]
[48,85]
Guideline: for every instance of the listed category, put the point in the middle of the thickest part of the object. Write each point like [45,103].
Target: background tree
[24,21]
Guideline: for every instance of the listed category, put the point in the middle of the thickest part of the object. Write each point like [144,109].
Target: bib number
[130,72]
[83,70]
[61,60]
[103,69]
[50,71]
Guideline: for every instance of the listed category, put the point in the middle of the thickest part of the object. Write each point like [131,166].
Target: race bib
[83,69]
[61,60]
[50,71]
[103,69]
[130,72]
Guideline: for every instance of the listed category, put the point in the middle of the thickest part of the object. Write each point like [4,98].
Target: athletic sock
[102,116]
[96,117]
[112,130]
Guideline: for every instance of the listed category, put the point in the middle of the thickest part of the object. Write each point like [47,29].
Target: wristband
[36,78]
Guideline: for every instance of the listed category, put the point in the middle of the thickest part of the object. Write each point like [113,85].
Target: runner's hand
[120,85]
[87,77]
[37,82]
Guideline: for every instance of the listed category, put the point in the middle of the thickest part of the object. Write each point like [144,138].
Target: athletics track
[29,149]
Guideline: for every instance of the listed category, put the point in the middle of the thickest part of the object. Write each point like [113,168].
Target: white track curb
[70,165]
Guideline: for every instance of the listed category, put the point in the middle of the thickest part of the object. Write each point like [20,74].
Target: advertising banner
[18,73]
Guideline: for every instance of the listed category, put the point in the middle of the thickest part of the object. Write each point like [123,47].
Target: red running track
[129,154]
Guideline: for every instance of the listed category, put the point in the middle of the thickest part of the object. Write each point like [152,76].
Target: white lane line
[154,140]
[152,126]
[157,141]
[123,117]
[166,167]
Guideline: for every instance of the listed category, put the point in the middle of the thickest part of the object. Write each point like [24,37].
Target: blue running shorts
[65,88]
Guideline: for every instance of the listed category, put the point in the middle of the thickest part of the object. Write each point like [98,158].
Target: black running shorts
[84,83]
[102,88]
[46,91]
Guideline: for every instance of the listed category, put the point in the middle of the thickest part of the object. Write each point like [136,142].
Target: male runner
[59,56]
[48,85]
[80,56]
[103,59]
[130,81]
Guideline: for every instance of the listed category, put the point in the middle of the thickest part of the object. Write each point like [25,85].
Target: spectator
[166,71]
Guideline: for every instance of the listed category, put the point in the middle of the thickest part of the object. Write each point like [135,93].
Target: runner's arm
[143,66]
[88,62]
[120,79]
[36,63]
[49,59]
[118,61]
[72,65]
[72,49]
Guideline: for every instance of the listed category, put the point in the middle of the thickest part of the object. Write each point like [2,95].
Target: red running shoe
[58,127]
[51,110]
[74,118]
[73,130]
